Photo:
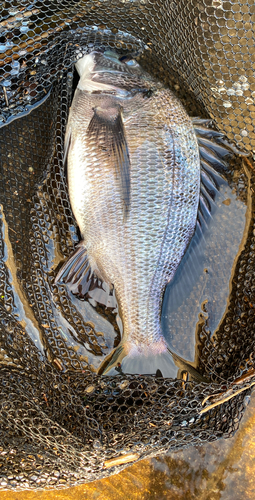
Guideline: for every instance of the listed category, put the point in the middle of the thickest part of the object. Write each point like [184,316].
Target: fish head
[107,72]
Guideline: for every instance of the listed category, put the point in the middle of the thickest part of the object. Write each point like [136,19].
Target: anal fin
[75,267]
[81,280]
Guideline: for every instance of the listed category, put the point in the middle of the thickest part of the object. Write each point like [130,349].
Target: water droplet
[6,83]
[24,29]
[15,67]
[97,445]
[13,12]
[90,389]
[243,79]
[247,400]
[123,384]
[227,104]
[217,4]
[249,101]
[245,86]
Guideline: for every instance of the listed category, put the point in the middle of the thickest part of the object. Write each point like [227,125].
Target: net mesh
[60,423]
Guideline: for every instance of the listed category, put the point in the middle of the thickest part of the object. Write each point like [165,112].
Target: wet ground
[222,470]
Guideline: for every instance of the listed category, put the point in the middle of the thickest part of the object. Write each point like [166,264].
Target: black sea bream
[134,185]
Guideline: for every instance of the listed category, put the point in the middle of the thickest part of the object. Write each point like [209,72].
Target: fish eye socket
[124,58]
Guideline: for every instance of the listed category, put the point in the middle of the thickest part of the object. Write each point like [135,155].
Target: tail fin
[123,361]
[132,361]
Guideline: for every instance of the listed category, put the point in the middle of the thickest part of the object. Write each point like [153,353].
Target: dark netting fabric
[60,424]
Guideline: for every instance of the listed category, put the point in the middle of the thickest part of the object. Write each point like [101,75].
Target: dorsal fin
[203,130]
[213,164]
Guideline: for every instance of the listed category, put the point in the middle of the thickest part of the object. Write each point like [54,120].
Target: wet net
[60,423]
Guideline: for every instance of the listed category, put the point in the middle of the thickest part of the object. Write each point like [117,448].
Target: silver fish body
[134,185]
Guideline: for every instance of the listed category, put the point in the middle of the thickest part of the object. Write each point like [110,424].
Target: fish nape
[141,176]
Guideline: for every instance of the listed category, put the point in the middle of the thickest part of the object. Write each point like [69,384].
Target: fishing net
[60,423]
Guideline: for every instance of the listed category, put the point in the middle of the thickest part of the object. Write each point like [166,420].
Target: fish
[134,162]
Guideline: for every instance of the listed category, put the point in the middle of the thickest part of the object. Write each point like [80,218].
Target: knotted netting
[60,423]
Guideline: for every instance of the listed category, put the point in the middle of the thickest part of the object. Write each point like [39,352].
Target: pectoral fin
[106,134]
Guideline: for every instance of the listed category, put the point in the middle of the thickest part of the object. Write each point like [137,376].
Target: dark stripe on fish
[106,130]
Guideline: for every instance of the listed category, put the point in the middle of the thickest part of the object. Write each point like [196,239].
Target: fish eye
[132,62]
[128,61]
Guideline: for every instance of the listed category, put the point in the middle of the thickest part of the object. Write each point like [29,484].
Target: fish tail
[124,360]
[185,366]
[151,360]
[112,364]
